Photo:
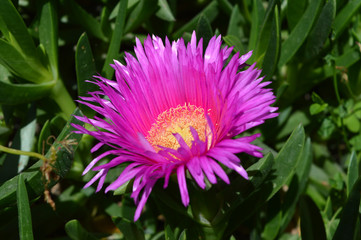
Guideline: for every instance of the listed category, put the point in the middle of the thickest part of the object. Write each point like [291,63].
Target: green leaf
[115,41]
[299,33]
[321,30]
[347,227]
[48,33]
[285,162]
[282,170]
[24,213]
[204,30]
[316,108]
[115,10]
[211,12]
[316,98]
[348,58]
[352,123]
[259,174]
[26,68]
[298,117]
[76,232]
[295,10]
[164,11]
[80,16]
[233,41]
[142,12]
[169,235]
[258,14]
[27,134]
[344,17]
[13,94]
[14,30]
[265,33]
[235,21]
[352,172]
[129,229]
[44,135]
[327,128]
[259,171]
[23,140]
[85,70]
[312,226]
[64,153]
[274,47]
[297,185]
[125,188]
[273,220]
[183,235]
[356,142]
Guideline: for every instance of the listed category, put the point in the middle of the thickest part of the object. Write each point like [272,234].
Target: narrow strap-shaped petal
[182,185]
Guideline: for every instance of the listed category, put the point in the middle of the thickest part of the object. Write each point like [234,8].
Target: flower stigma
[178,120]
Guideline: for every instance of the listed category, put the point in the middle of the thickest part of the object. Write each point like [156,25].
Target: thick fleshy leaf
[272,54]
[321,30]
[233,41]
[164,11]
[80,16]
[312,226]
[115,41]
[129,229]
[64,152]
[44,135]
[297,185]
[265,32]
[211,11]
[169,234]
[125,223]
[352,172]
[281,171]
[345,16]
[295,10]
[24,214]
[14,29]
[13,94]
[85,70]
[235,21]
[258,14]
[273,220]
[350,213]
[287,158]
[204,30]
[27,134]
[143,10]
[21,66]
[299,33]
[48,33]
[23,140]
[76,231]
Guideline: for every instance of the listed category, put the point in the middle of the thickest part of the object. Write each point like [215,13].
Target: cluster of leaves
[308,183]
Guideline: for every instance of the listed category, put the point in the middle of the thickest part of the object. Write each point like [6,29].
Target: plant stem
[63,99]
[19,152]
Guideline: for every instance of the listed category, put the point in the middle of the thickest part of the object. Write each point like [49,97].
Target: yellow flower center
[178,120]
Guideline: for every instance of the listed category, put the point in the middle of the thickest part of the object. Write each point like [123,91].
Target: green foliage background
[307,185]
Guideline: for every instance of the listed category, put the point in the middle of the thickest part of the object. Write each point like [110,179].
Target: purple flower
[174,109]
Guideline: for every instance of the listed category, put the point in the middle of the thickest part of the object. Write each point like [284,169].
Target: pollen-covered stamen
[178,120]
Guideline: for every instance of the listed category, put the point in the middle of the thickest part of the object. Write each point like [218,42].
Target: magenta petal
[183,185]
[194,168]
[207,168]
[158,78]
[143,200]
